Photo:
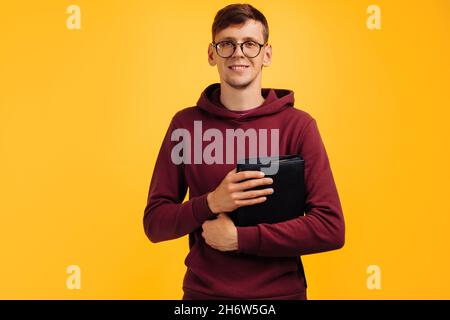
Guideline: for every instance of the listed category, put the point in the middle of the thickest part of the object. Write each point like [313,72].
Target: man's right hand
[231,194]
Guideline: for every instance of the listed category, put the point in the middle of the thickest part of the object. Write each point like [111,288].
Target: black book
[288,200]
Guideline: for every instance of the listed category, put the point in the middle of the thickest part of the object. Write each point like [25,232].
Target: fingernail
[262,174]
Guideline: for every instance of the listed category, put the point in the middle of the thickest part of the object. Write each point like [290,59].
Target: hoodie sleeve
[165,216]
[321,229]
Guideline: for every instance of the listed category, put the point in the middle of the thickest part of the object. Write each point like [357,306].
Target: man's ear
[267,60]
[211,59]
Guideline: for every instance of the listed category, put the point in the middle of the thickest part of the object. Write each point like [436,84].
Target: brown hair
[235,14]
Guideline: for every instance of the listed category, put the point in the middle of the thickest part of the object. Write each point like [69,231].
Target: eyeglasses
[226,49]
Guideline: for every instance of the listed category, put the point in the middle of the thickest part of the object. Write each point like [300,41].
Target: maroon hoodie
[268,265]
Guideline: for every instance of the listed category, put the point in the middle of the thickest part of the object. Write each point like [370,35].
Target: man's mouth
[238,67]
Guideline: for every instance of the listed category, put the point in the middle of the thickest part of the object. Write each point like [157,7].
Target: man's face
[240,78]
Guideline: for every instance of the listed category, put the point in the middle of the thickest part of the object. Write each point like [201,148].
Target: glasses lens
[251,49]
[225,49]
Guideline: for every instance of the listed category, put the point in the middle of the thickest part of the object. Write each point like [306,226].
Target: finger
[232,172]
[216,247]
[252,194]
[242,203]
[249,184]
[246,175]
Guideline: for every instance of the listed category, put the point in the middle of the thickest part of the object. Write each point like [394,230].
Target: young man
[267,264]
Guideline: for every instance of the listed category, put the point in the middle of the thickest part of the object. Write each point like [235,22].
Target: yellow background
[83,113]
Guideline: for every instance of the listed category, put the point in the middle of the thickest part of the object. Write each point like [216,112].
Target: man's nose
[238,51]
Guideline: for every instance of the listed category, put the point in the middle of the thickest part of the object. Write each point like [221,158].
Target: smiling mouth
[238,67]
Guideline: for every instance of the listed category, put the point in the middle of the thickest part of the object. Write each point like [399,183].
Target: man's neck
[241,99]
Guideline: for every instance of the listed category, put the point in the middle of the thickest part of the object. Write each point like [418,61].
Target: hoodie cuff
[248,239]
[202,212]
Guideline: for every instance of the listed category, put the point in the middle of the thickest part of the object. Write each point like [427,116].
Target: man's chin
[238,83]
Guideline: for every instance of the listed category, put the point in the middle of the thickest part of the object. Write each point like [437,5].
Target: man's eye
[227,44]
[250,44]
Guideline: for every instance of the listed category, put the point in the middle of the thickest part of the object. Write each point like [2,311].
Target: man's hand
[220,233]
[231,194]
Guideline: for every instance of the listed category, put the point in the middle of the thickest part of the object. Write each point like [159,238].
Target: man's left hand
[221,233]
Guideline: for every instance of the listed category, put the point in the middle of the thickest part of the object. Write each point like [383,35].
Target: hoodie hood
[275,101]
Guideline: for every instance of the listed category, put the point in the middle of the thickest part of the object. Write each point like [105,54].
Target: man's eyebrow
[245,39]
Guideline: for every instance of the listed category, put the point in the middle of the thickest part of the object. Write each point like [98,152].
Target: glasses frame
[241,44]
